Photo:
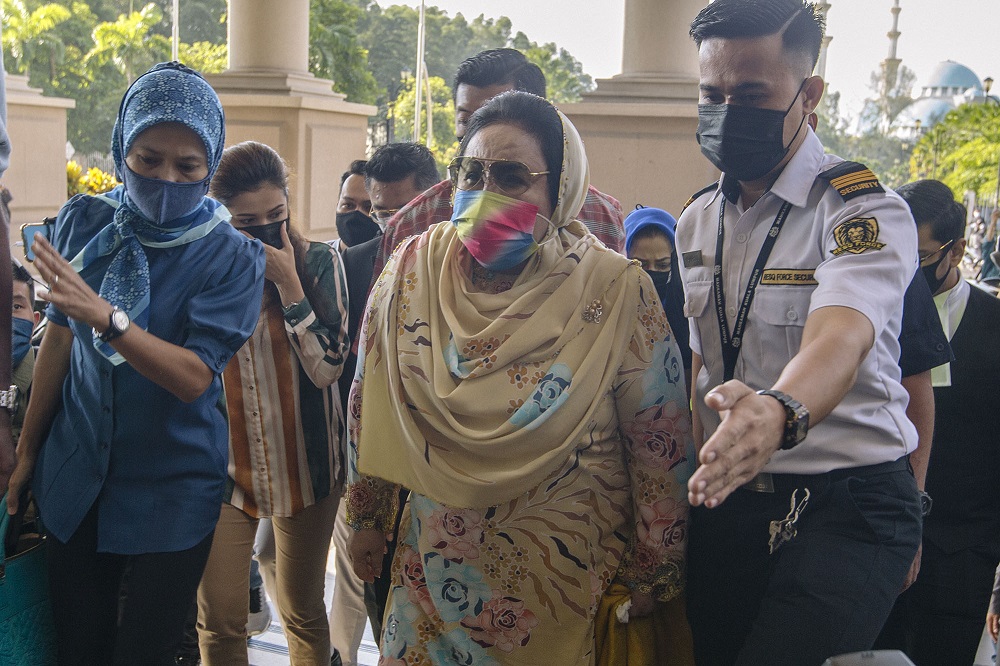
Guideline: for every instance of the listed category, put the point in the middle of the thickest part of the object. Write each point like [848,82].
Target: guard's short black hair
[801,24]
[356,168]
[394,162]
[534,115]
[932,202]
[21,274]
[500,66]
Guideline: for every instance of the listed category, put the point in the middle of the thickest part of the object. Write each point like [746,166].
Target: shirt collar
[797,178]
[794,182]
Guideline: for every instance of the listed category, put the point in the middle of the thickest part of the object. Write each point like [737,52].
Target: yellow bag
[660,639]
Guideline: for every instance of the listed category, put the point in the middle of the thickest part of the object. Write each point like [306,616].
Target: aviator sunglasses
[471,173]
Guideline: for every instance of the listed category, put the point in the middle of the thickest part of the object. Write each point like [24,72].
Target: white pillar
[270,96]
[659,60]
[269,50]
[639,126]
[656,40]
[268,35]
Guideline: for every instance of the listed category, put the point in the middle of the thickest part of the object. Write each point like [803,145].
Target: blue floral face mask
[20,339]
[162,201]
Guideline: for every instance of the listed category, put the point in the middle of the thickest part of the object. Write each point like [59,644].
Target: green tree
[30,32]
[444,146]
[130,43]
[334,51]
[963,150]
[878,145]
[200,21]
[831,126]
[892,90]
[204,57]
[565,80]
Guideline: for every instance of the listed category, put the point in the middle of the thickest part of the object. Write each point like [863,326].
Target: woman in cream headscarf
[521,380]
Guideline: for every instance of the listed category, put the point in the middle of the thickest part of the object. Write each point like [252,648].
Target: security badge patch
[856,235]
[852,179]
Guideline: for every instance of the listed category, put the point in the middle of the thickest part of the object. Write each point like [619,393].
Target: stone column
[37,174]
[253,23]
[659,61]
[639,126]
[270,96]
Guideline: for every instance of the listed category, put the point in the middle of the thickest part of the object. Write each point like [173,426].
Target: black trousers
[92,626]
[825,592]
[939,620]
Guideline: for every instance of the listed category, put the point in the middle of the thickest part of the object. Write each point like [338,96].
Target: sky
[966,31]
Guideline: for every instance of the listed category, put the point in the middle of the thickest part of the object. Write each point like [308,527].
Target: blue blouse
[155,465]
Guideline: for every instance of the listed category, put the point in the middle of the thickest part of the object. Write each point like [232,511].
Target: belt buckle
[762,483]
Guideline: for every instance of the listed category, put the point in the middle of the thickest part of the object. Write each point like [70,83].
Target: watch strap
[796,418]
[8,398]
[112,331]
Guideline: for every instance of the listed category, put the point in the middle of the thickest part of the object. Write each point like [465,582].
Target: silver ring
[55,280]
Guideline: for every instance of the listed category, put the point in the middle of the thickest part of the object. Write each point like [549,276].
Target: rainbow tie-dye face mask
[497,231]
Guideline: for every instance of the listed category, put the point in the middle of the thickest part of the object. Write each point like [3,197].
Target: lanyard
[731,344]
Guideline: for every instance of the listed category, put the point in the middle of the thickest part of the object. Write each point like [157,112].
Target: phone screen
[30,231]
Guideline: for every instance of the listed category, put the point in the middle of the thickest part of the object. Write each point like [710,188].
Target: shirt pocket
[696,298]
[780,313]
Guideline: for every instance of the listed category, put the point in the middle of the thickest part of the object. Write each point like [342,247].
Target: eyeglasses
[924,257]
[384,214]
[471,173]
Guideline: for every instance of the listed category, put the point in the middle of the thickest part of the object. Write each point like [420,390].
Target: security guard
[805,514]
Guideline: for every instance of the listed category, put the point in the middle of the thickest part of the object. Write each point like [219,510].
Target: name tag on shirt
[692,259]
[789,276]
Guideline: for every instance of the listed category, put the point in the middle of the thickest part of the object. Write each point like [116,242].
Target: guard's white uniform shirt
[803,274]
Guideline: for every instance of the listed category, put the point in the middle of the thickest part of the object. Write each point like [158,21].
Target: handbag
[660,639]
[27,633]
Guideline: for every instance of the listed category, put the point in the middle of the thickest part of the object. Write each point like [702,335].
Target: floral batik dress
[519,583]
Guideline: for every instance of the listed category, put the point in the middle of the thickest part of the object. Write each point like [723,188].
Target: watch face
[120,320]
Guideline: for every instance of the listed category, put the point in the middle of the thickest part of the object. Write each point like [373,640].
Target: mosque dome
[950,78]
[928,110]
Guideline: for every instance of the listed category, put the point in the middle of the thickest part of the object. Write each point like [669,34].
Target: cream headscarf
[446,411]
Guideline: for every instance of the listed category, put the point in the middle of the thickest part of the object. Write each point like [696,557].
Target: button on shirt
[285,418]
[156,466]
[869,425]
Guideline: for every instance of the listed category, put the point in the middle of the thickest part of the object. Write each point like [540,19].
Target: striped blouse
[285,419]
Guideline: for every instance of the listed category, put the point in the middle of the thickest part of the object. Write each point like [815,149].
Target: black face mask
[660,280]
[930,272]
[355,228]
[268,234]
[743,141]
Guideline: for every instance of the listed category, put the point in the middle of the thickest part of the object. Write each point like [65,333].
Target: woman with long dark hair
[285,423]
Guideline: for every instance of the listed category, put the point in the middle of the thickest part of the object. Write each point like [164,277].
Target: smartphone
[30,231]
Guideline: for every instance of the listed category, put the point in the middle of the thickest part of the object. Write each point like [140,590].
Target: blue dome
[928,110]
[951,78]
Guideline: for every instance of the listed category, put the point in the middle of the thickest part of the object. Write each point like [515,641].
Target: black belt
[766,482]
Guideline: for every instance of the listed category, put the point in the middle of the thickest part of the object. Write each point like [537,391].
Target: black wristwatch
[796,418]
[925,503]
[118,323]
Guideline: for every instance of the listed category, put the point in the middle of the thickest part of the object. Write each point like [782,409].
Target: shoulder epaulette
[708,188]
[852,179]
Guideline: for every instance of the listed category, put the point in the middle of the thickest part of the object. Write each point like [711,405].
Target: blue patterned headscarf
[169,92]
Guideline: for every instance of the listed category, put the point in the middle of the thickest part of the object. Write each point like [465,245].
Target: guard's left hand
[67,290]
[750,432]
